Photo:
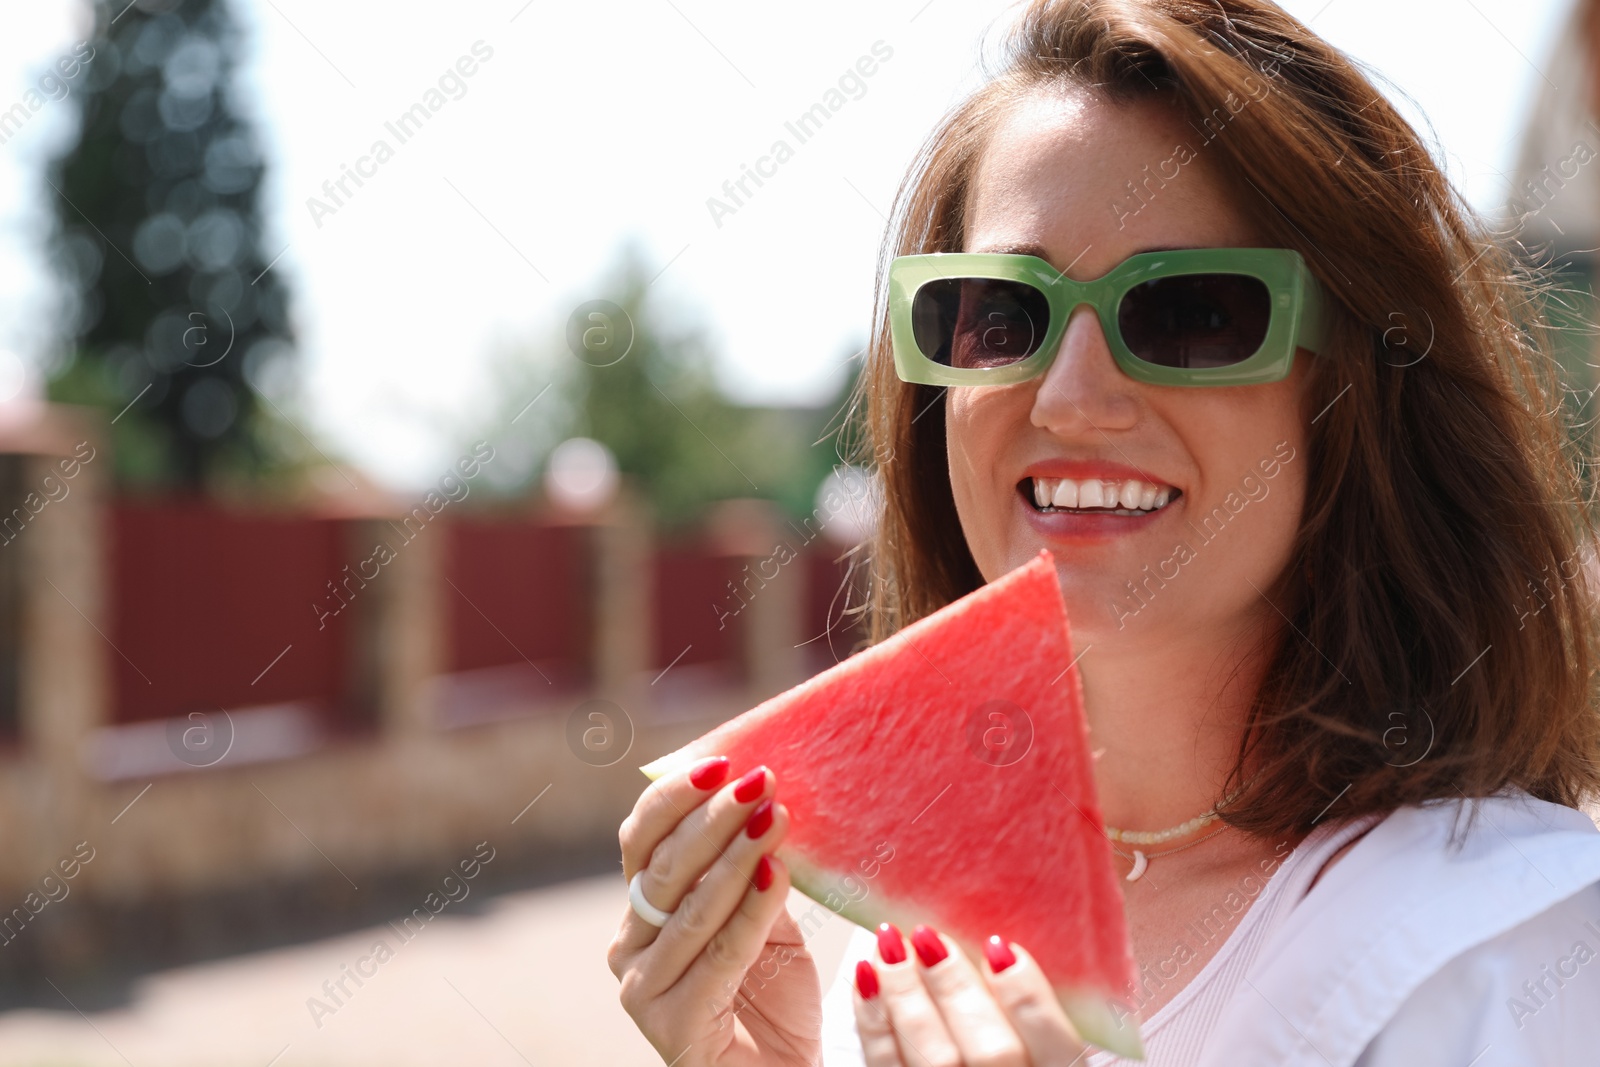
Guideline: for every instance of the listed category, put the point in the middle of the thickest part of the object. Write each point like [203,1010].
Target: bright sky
[585,125]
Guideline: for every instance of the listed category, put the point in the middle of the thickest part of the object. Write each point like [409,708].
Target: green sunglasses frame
[1298,317]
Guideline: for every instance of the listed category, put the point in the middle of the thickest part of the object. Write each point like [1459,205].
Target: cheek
[1276,524]
[976,429]
[1249,450]
[1281,510]
[963,458]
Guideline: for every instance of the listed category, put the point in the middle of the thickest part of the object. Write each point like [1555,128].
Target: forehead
[1091,181]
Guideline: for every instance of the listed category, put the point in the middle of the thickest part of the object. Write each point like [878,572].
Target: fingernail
[866,980]
[998,953]
[763,876]
[709,773]
[760,820]
[750,786]
[891,949]
[930,949]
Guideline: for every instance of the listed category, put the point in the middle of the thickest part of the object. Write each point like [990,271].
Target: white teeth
[1131,495]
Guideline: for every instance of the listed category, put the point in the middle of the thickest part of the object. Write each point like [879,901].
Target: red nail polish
[750,786]
[998,953]
[866,980]
[763,876]
[709,773]
[930,950]
[891,949]
[760,820]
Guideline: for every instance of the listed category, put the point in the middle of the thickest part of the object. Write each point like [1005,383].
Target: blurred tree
[172,309]
[658,408]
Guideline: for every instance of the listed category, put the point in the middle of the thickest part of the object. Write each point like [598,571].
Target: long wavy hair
[1441,577]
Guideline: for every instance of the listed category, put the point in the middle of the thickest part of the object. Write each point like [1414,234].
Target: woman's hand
[936,1010]
[727,981]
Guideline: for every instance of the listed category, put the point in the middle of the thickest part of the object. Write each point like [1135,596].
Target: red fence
[519,591]
[210,609]
[696,621]
[203,604]
[830,634]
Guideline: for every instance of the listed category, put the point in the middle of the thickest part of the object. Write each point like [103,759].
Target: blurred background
[412,420]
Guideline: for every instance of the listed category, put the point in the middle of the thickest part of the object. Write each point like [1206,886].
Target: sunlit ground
[524,982]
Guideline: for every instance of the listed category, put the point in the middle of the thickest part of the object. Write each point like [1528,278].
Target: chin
[1096,595]
[1092,616]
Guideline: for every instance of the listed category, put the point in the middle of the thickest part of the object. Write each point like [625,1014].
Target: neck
[1167,717]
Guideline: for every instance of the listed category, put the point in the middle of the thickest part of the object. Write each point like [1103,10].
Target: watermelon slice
[943,776]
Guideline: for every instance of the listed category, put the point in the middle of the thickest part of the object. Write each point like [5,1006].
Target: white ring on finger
[642,907]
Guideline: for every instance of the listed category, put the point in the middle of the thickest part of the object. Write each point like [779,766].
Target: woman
[1319,546]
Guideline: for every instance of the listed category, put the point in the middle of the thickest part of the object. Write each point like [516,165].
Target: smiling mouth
[1095,496]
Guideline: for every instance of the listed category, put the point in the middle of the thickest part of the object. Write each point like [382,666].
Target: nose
[1084,390]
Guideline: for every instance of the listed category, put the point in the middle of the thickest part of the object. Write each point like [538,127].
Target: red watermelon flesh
[944,776]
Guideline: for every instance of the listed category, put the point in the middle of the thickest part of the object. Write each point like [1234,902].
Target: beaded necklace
[1141,859]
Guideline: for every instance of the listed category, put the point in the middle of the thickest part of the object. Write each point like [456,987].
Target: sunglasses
[1194,316]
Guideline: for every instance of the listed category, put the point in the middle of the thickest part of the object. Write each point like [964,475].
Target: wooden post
[623,608]
[61,467]
[407,630]
[753,531]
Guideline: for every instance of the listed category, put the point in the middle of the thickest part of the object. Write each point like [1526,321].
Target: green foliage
[675,435]
[158,241]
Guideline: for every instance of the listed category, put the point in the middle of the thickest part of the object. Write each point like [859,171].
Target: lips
[1094,487]
[1095,494]
[1082,502]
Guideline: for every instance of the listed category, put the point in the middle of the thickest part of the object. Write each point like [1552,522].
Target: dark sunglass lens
[979,322]
[1196,320]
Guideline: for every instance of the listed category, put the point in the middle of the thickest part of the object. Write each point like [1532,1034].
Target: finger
[918,1028]
[975,1022]
[680,859]
[663,805]
[709,906]
[720,968]
[879,1048]
[1024,994]
[699,840]
[634,935]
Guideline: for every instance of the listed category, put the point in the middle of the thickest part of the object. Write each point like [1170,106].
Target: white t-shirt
[1410,952]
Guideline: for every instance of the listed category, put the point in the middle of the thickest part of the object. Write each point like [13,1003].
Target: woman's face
[1230,460]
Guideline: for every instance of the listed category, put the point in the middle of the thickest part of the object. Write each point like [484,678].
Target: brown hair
[1446,529]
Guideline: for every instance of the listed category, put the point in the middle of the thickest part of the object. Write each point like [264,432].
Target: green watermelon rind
[1098,1021]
